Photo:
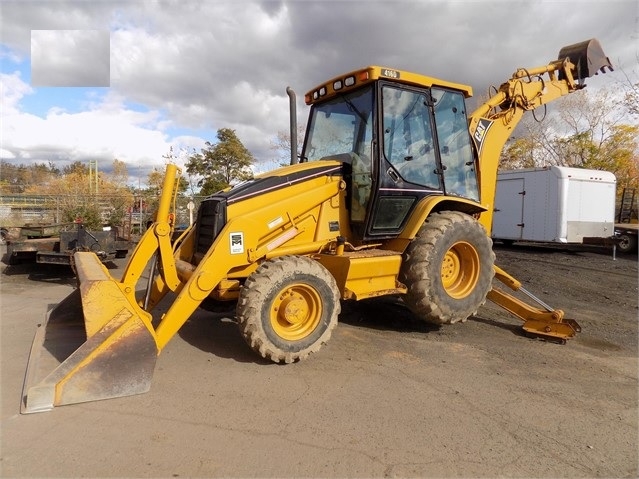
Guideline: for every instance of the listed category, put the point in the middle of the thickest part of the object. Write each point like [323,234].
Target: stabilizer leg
[547,323]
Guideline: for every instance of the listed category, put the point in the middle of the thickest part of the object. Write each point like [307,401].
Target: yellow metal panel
[364,274]
[421,212]
[273,216]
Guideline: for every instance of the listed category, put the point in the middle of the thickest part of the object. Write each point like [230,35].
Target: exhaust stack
[293,123]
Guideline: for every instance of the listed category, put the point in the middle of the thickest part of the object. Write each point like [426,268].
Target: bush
[88,214]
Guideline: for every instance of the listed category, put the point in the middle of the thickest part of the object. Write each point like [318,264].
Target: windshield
[341,125]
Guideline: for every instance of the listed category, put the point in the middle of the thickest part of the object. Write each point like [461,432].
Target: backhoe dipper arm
[492,123]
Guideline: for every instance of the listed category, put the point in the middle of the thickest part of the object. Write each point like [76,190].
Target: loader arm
[99,342]
[157,239]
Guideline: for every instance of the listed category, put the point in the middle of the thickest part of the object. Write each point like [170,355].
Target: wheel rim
[625,242]
[296,312]
[460,270]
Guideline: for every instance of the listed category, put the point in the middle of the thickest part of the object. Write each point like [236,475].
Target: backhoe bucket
[94,345]
[588,58]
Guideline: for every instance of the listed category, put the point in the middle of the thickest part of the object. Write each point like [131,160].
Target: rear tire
[448,268]
[288,308]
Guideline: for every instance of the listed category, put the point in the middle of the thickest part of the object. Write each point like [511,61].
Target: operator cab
[404,137]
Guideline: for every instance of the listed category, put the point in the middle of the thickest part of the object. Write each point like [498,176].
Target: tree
[518,153]
[586,132]
[282,144]
[222,164]
[632,99]
[630,87]
[578,150]
[72,197]
[68,193]
[16,179]
[119,173]
[88,213]
[119,194]
[76,167]
[620,155]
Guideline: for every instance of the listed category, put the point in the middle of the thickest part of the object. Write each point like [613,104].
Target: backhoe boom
[493,122]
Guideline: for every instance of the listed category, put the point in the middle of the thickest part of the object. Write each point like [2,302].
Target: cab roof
[362,76]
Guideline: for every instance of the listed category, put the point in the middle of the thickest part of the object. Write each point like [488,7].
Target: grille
[211,219]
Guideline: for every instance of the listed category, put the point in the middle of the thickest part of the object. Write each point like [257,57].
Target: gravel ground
[388,396]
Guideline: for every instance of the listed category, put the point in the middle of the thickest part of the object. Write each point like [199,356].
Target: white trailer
[554,204]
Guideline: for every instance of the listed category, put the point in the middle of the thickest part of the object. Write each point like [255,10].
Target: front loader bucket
[588,58]
[94,345]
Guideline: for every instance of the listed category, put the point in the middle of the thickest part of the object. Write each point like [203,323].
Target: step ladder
[627,206]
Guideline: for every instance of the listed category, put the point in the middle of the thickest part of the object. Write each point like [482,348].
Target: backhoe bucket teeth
[93,345]
[588,58]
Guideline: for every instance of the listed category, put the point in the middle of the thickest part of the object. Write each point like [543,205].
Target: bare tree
[282,144]
[585,131]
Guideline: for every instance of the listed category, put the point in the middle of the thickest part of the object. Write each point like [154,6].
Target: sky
[140,80]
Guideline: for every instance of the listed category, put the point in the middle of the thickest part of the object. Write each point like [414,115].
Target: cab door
[407,160]
[454,143]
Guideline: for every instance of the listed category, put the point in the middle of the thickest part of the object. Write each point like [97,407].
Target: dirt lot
[388,396]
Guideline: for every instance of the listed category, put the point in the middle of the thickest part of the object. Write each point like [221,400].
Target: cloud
[67,58]
[12,89]
[106,130]
[204,65]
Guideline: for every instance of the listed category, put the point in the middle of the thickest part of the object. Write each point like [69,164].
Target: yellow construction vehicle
[393,195]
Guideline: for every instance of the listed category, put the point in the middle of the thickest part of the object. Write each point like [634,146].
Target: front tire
[448,268]
[288,308]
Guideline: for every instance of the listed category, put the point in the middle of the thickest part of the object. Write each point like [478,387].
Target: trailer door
[508,220]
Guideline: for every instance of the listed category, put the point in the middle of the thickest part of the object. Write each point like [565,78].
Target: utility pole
[93,177]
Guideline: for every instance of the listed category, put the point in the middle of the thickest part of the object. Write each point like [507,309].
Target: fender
[424,208]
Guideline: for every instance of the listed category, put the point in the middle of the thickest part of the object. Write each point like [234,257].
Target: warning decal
[237,243]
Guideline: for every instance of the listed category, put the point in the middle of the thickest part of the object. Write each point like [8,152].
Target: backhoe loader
[392,195]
